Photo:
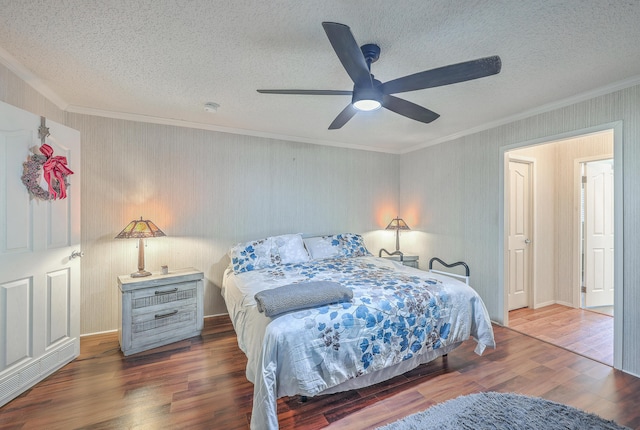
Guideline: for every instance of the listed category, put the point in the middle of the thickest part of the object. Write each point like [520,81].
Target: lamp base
[140,274]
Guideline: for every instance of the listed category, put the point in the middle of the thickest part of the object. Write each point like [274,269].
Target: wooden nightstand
[159,309]
[407,260]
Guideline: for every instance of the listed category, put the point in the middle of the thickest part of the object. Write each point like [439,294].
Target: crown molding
[211,127]
[36,83]
[26,75]
[607,89]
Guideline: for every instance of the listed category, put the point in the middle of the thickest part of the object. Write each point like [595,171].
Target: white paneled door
[520,214]
[39,280]
[598,233]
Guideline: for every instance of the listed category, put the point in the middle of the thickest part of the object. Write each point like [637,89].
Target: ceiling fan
[370,94]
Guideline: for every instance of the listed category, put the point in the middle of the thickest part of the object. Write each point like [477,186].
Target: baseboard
[99,332]
[563,303]
[543,304]
[216,315]
[553,302]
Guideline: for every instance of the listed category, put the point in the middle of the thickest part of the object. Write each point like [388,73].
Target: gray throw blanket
[303,295]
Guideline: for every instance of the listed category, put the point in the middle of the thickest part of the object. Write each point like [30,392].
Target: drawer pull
[161,293]
[167,315]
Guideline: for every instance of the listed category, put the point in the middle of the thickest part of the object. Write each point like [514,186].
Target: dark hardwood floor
[584,332]
[199,383]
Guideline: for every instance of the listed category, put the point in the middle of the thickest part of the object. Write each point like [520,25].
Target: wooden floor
[585,332]
[200,384]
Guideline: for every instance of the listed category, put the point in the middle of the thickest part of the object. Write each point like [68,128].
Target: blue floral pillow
[254,255]
[339,245]
[352,245]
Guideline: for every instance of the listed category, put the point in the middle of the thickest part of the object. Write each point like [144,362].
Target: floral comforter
[398,315]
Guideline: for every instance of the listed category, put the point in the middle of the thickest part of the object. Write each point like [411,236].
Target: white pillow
[291,248]
[320,247]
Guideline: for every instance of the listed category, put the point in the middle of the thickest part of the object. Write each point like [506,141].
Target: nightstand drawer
[169,295]
[149,327]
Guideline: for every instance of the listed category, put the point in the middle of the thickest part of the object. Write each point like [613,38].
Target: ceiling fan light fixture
[366,99]
[367,105]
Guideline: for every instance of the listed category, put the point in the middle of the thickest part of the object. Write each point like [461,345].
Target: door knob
[75,254]
[527,241]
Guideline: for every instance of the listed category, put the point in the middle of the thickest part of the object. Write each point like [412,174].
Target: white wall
[207,191]
[454,187]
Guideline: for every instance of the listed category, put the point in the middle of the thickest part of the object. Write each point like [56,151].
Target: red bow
[56,166]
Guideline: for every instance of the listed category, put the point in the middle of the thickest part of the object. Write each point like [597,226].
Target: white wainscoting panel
[19,216]
[16,306]
[59,294]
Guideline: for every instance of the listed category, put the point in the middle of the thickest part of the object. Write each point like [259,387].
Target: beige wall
[454,189]
[555,212]
[207,191]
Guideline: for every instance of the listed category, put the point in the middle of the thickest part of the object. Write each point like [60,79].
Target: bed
[397,318]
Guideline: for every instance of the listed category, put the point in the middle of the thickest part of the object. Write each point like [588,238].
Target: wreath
[54,170]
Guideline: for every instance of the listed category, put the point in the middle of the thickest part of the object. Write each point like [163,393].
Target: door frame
[531,298]
[577,228]
[503,311]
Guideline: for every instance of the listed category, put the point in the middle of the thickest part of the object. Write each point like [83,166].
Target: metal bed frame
[458,263]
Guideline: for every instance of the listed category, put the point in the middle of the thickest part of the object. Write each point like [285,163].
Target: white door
[598,233]
[519,233]
[39,282]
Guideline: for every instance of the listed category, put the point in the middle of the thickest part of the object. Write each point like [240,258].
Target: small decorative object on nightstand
[159,309]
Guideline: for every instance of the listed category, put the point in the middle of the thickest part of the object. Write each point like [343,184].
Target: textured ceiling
[161,60]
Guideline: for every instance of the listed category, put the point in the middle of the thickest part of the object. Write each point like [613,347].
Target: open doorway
[558,242]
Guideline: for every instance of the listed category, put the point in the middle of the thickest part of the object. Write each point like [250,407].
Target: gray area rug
[501,411]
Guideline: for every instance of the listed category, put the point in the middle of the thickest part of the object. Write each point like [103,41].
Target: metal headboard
[459,263]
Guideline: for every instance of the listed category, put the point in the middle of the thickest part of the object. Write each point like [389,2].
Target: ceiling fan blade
[408,109]
[342,118]
[309,92]
[348,52]
[446,75]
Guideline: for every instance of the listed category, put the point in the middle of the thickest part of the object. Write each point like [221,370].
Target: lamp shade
[140,229]
[397,224]
[137,229]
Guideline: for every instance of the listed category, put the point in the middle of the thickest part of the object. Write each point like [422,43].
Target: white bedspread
[398,316]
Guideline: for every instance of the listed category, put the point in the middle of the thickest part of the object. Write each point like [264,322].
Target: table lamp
[396,224]
[140,229]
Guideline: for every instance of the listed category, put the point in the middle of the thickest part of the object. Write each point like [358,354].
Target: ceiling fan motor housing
[371,52]
[365,97]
